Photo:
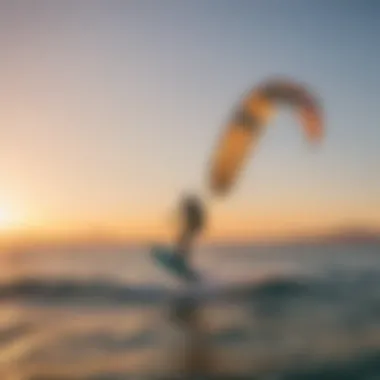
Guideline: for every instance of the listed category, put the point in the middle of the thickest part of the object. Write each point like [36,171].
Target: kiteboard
[171,261]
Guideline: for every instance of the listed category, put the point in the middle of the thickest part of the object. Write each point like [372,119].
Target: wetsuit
[193,221]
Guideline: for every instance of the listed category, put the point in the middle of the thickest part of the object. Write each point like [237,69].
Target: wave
[270,290]
[66,290]
[95,290]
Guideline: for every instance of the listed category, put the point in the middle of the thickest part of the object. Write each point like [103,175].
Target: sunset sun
[7,218]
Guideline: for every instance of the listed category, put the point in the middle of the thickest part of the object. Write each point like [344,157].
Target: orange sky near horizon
[226,223]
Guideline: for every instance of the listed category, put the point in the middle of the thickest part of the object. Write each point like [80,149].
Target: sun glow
[8,219]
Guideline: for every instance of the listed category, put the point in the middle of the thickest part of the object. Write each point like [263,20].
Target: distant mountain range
[354,235]
[348,235]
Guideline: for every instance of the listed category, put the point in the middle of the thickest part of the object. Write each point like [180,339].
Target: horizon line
[337,233]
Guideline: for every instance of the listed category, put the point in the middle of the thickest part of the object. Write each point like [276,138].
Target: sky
[111,109]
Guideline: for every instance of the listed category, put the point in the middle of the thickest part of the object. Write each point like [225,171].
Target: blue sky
[112,108]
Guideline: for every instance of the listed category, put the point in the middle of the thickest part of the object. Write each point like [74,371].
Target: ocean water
[268,313]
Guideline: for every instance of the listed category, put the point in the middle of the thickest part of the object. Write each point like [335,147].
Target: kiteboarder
[192,217]
[176,258]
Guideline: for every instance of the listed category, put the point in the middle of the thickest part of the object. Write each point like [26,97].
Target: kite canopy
[250,120]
